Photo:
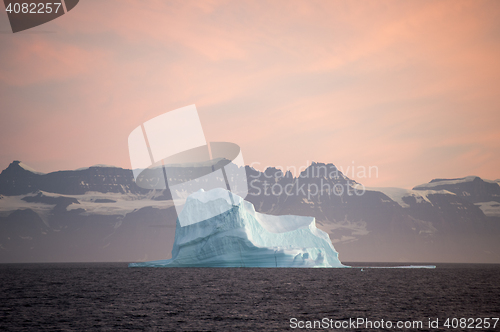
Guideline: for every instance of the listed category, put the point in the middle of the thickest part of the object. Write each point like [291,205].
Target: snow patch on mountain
[492,181]
[91,202]
[397,194]
[29,169]
[441,182]
[114,203]
[97,165]
[490,209]
[10,204]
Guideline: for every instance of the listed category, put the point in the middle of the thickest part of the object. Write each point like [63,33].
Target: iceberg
[238,236]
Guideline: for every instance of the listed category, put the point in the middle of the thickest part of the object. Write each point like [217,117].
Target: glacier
[242,237]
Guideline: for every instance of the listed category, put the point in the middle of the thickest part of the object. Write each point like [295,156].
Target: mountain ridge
[103,207]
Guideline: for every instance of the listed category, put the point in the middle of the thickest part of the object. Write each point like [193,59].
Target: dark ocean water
[113,297]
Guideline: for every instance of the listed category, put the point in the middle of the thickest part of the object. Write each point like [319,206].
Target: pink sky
[412,87]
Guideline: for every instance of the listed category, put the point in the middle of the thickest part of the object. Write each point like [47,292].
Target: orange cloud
[408,86]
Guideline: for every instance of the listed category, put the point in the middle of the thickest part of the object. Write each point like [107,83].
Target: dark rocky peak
[322,170]
[17,168]
[273,172]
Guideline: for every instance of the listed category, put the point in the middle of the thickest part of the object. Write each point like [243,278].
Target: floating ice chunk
[242,237]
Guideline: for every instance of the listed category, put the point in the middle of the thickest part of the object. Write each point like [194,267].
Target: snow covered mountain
[439,224]
[483,193]
[18,179]
[100,214]
[242,237]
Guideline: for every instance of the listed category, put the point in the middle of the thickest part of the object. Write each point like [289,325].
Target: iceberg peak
[215,194]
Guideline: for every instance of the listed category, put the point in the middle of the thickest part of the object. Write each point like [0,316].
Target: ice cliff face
[242,237]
